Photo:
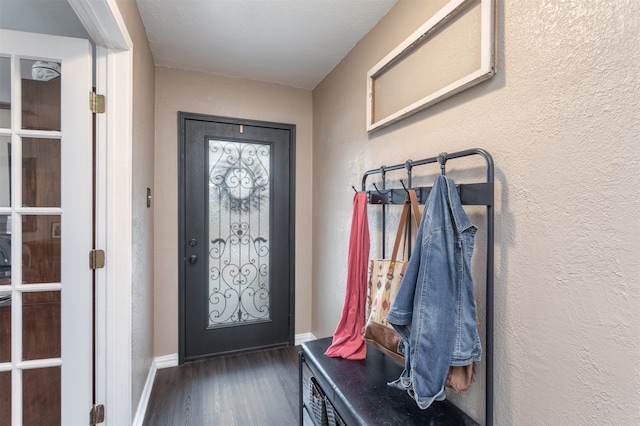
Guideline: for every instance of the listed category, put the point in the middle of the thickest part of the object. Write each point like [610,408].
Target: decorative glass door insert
[239,232]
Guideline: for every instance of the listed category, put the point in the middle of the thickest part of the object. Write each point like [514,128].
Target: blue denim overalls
[435,310]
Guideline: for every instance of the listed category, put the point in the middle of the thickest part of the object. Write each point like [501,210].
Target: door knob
[193,259]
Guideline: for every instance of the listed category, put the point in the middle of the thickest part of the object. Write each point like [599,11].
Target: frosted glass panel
[41,237]
[5,251]
[5,171]
[41,334]
[5,92]
[239,232]
[40,94]
[5,327]
[5,401]
[41,396]
[41,172]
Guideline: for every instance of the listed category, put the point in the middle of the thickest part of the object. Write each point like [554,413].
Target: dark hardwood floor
[254,388]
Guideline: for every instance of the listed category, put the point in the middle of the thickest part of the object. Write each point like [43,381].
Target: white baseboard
[304,337]
[166,361]
[158,363]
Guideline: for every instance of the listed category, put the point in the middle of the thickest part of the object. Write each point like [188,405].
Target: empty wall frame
[453,50]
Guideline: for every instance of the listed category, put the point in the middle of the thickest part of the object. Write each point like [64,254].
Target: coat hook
[404,186]
[354,188]
[380,192]
[442,160]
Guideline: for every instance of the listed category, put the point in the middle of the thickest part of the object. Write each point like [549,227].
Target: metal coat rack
[470,194]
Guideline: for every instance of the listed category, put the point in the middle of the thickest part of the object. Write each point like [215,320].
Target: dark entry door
[236,235]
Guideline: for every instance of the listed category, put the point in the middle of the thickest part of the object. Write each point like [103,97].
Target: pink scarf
[347,339]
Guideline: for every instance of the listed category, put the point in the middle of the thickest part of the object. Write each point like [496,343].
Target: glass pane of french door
[45,208]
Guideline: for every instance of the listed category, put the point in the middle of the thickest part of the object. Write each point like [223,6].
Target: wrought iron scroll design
[239,209]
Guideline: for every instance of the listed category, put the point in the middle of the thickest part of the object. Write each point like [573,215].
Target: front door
[236,235]
[45,230]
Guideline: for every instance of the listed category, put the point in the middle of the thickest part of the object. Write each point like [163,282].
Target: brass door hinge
[96,259]
[97,415]
[96,103]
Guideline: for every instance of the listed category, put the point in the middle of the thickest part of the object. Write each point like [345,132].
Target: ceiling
[290,42]
[54,17]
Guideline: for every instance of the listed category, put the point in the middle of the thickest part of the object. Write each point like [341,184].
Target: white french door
[46,184]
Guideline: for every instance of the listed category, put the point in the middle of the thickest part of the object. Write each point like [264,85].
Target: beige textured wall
[195,92]
[562,121]
[142,217]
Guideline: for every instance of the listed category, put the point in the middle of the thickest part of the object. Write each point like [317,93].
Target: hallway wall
[178,90]
[562,121]
[143,130]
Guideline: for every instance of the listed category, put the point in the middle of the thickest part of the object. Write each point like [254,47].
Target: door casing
[114,142]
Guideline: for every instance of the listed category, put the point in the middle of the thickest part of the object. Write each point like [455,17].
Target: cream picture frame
[474,59]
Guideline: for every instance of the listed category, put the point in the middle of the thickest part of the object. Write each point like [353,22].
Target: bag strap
[417,215]
[410,201]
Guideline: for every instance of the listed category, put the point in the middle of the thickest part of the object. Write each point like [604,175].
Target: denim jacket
[435,310]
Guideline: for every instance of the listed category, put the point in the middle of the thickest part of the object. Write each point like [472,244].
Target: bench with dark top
[358,390]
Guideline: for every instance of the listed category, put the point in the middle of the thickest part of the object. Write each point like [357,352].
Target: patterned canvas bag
[384,280]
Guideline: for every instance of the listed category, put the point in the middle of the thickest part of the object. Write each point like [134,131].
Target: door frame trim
[114,142]
[182,116]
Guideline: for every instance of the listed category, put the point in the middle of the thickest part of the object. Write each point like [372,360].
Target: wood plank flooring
[254,388]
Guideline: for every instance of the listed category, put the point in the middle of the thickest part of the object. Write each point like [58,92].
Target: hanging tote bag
[384,280]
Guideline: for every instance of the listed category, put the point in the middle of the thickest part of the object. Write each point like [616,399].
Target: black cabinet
[359,393]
